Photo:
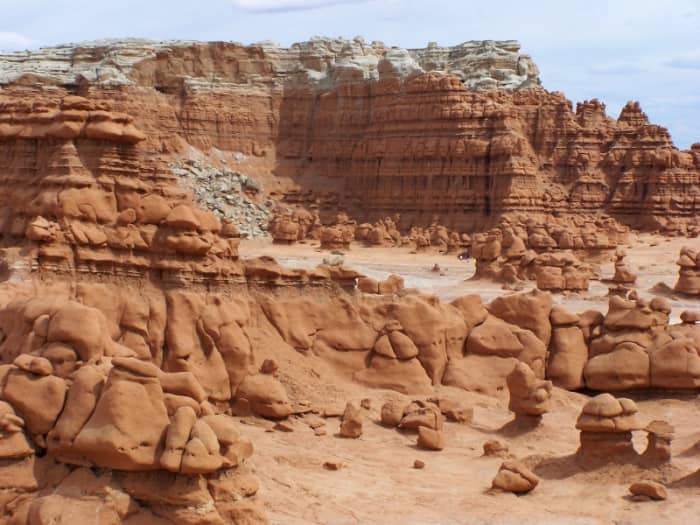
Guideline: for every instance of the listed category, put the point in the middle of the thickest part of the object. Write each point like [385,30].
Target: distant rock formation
[369,130]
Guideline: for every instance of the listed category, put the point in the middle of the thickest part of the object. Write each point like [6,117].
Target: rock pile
[228,194]
[521,249]
[288,226]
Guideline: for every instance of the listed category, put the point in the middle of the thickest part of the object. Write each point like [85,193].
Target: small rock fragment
[283,426]
[496,447]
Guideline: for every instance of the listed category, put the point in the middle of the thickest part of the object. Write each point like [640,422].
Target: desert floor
[377,483]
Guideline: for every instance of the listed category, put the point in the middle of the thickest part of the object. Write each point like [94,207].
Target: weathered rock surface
[650,489]
[529,396]
[347,114]
[515,477]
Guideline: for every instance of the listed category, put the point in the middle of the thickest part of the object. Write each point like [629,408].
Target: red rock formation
[688,272]
[137,328]
[371,131]
[80,195]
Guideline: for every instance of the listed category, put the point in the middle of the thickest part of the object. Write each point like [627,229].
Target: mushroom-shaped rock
[605,413]
[606,425]
[624,274]
[515,477]
[659,438]
[529,396]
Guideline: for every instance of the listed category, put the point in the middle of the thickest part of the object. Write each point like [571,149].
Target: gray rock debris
[227,193]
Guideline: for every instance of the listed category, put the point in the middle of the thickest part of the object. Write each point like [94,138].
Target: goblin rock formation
[132,333]
[528,395]
[688,272]
[606,426]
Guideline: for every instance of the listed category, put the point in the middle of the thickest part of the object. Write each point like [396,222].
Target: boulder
[527,310]
[265,395]
[430,439]
[392,413]
[128,424]
[650,489]
[37,398]
[515,477]
[351,422]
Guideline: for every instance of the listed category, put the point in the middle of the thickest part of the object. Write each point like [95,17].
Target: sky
[613,50]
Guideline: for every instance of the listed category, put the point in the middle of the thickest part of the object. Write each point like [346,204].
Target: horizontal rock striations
[465,132]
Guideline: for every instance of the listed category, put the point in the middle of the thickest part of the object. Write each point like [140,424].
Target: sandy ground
[378,484]
[654,257]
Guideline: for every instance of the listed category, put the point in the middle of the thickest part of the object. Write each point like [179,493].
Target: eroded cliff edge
[466,132]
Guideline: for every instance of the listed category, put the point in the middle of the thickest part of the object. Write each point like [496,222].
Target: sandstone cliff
[465,132]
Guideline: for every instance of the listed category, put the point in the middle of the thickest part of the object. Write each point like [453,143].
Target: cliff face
[464,132]
[80,194]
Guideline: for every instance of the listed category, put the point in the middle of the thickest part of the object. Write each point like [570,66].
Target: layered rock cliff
[465,132]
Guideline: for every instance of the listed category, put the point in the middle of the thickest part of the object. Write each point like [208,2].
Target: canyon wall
[464,132]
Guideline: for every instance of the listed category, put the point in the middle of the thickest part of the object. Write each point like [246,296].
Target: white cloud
[10,41]
[287,5]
